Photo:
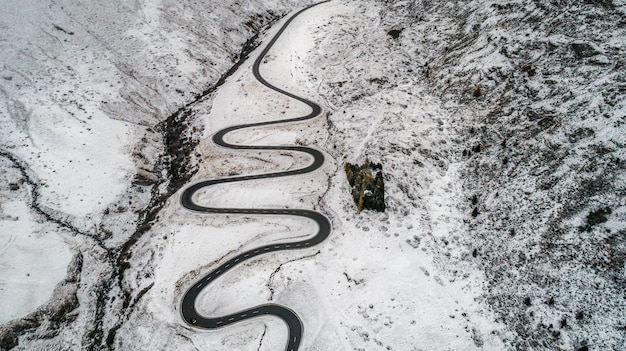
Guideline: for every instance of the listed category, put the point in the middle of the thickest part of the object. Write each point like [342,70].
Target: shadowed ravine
[188,306]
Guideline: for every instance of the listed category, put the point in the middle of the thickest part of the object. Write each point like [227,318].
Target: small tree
[347,167]
[361,201]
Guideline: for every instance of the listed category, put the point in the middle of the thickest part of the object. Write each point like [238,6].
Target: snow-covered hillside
[536,93]
[538,90]
[534,116]
[500,127]
[91,143]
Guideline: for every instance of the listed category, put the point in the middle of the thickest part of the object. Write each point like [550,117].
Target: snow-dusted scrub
[531,130]
[538,91]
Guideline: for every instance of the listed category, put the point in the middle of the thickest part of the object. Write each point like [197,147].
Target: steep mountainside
[538,92]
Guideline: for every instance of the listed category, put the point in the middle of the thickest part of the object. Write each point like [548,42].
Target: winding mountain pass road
[188,303]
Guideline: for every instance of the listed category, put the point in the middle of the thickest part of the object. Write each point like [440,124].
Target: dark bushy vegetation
[368,187]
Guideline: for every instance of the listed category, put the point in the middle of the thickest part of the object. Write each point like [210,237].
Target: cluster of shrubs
[368,187]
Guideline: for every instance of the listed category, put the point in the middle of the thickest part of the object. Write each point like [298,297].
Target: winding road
[188,305]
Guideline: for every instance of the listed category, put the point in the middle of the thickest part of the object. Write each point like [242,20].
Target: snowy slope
[86,90]
[500,127]
[370,286]
[537,93]
[525,149]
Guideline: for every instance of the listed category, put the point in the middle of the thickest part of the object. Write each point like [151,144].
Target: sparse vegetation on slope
[537,88]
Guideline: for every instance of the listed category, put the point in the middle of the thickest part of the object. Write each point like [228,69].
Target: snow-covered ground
[29,272]
[500,128]
[86,91]
[372,285]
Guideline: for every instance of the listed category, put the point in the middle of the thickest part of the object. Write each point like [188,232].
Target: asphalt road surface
[188,305]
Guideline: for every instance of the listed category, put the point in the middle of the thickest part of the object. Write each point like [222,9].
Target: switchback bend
[188,303]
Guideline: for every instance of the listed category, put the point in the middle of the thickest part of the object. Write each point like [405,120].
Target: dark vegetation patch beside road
[368,186]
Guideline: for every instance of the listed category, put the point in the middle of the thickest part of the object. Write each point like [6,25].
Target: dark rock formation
[394,33]
[582,50]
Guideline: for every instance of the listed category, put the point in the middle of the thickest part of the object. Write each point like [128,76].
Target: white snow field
[500,128]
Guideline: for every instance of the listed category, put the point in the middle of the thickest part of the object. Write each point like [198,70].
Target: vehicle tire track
[188,308]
